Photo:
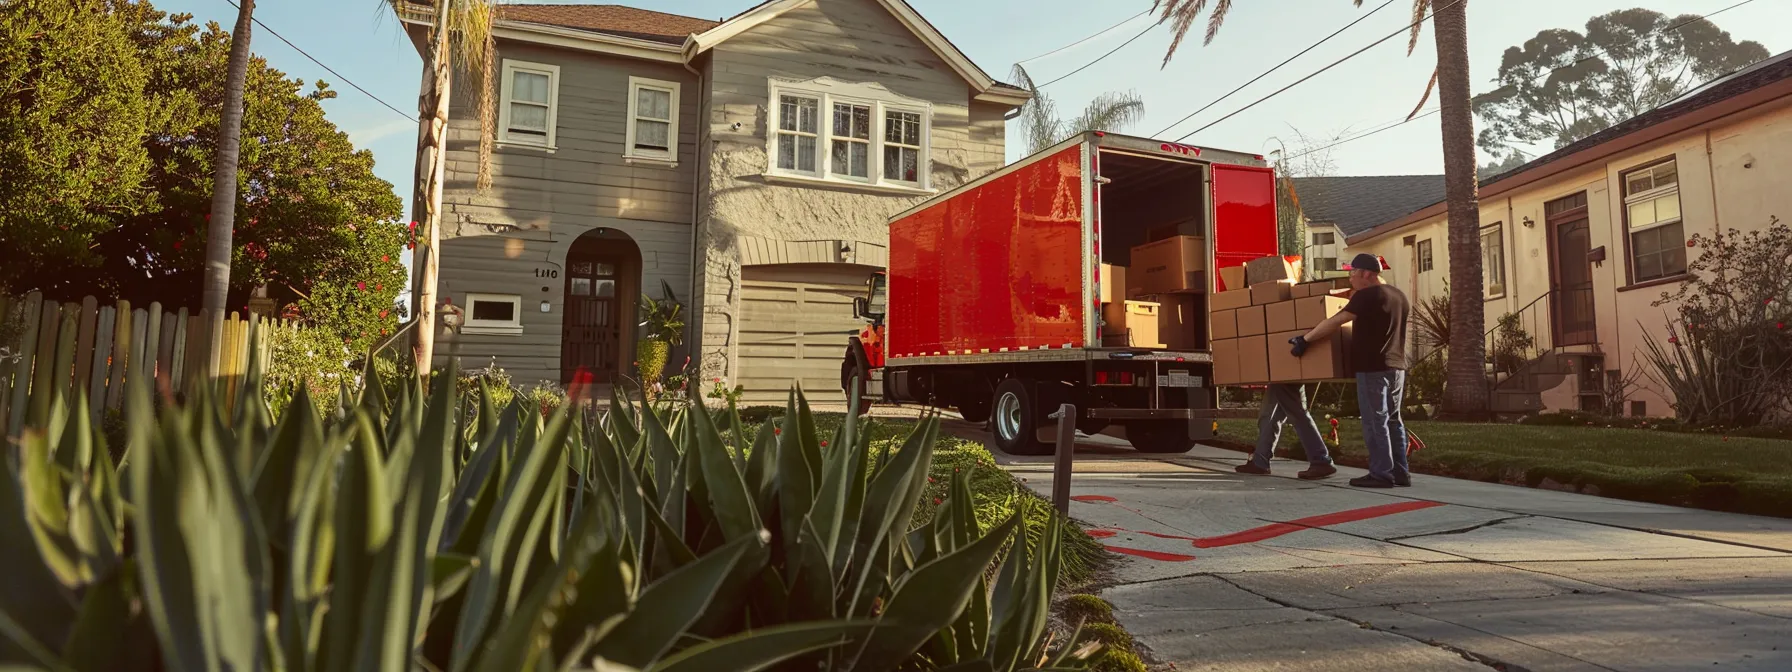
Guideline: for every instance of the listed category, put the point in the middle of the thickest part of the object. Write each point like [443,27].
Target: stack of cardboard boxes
[1251,326]
[1157,301]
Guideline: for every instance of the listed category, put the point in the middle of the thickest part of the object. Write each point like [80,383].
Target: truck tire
[850,367]
[974,410]
[1015,417]
[1159,436]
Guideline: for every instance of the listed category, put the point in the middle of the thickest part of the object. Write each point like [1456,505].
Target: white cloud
[362,137]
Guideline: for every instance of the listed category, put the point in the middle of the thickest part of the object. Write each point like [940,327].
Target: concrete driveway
[1220,570]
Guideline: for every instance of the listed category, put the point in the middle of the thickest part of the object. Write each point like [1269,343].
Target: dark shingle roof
[1357,204]
[610,19]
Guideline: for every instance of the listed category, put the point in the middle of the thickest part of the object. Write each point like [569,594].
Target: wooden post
[103,332]
[121,355]
[90,313]
[1066,454]
[61,375]
[43,377]
[21,380]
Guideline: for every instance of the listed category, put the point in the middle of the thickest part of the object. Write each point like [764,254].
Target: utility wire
[1103,56]
[1266,73]
[326,68]
[1298,82]
[1551,71]
[1104,31]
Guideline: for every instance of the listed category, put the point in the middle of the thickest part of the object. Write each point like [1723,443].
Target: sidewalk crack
[1460,530]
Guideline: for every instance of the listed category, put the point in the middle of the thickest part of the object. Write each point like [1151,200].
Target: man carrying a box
[1287,402]
[1378,312]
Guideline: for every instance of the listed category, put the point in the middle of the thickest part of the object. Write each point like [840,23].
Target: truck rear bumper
[1152,414]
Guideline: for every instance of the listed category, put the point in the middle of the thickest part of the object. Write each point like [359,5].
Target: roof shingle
[1357,204]
[610,19]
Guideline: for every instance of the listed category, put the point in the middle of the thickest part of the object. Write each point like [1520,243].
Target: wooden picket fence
[101,350]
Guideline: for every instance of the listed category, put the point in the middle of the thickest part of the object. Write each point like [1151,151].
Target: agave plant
[395,531]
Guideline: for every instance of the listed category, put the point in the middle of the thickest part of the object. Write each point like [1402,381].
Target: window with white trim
[1424,253]
[1324,238]
[1493,261]
[1657,241]
[528,97]
[652,120]
[849,133]
[493,314]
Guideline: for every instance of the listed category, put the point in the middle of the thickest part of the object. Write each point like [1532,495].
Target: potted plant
[662,327]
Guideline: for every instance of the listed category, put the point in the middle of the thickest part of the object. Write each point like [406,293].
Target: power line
[1278,66]
[1104,31]
[1321,71]
[326,68]
[1547,73]
[1098,59]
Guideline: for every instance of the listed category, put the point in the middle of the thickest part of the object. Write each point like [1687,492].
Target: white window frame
[873,144]
[1330,238]
[776,130]
[504,100]
[495,327]
[1425,255]
[826,92]
[1498,231]
[883,142]
[629,151]
[1655,193]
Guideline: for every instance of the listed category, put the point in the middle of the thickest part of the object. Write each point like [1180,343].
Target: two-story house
[748,164]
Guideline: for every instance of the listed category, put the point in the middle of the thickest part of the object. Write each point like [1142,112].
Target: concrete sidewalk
[1220,570]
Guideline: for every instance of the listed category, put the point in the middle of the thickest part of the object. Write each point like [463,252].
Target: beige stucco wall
[1732,175]
[853,42]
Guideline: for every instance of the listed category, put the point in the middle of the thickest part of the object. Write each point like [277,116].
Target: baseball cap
[1367,262]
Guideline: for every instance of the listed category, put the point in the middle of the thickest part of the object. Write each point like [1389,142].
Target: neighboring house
[748,164]
[1337,208]
[1579,244]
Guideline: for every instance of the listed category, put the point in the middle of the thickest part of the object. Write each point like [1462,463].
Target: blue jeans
[1378,395]
[1287,402]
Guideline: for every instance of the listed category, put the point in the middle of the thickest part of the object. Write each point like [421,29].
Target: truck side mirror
[859,307]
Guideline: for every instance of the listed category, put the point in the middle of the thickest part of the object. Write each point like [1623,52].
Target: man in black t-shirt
[1378,312]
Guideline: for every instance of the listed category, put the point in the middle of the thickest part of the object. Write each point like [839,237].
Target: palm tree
[1465,393]
[223,215]
[460,38]
[1041,127]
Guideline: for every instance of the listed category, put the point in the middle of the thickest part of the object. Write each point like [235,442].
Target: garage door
[795,324]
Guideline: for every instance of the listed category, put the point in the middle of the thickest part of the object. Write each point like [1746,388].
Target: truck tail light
[1101,377]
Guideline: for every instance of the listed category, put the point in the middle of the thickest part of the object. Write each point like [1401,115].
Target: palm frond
[1111,111]
[1039,124]
[1419,8]
[473,48]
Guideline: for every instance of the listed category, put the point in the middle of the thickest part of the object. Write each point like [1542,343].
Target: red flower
[382,314]
[824,444]
[177,244]
[929,479]
[776,431]
[1779,325]
[1334,422]
[1692,243]
[1674,339]
[385,257]
[936,501]
[380,287]
[361,286]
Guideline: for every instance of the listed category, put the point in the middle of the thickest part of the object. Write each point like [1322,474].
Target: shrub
[308,358]
[1512,345]
[1425,382]
[1087,609]
[1728,355]
[388,535]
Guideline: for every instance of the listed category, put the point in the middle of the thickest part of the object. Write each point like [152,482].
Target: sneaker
[1248,468]
[1403,481]
[1317,471]
[1370,482]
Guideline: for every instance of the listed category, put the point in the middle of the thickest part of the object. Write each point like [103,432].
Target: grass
[1712,471]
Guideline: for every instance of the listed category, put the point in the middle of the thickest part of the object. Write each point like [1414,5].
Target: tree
[71,113]
[1513,159]
[1562,85]
[1311,156]
[1041,127]
[223,212]
[1466,391]
[460,37]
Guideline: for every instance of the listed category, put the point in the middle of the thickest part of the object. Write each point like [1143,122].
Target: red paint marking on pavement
[1094,498]
[1274,530]
[1151,555]
[1102,534]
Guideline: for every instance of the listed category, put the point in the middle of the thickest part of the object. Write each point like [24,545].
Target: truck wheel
[849,368]
[1015,419]
[1160,436]
[974,411]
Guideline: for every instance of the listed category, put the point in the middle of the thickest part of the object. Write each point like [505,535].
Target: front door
[591,339]
[1571,275]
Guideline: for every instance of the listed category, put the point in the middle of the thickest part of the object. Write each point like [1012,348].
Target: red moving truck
[991,304]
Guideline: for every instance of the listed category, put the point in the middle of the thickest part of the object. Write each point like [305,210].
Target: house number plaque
[547,272]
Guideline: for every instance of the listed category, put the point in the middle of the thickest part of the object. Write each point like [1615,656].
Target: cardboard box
[1284,367]
[1237,298]
[1270,292]
[1328,359]
[1168,266]
[1130,324]
[1253,360]
[1113,283]
[1223,324]
[1279,316]
[1310,311]
[1232,277]
[1250,321]
[1225,362]
[1268,269]
[1178,321]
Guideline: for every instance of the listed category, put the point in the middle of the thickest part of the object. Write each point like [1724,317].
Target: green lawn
[1706,470]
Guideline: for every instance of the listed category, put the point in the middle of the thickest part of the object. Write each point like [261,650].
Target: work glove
[1299,345]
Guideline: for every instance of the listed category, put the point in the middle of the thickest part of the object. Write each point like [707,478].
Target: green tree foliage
[313,222]
[71,116]
[1626,63]
[1041,127]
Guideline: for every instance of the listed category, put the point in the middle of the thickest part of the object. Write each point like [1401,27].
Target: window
[530,94]
[652,120]
[1424,251]
[1325,263]
[1493,261]
[798,127]
[1652,219]
[848,132]
[1323,238]
[494,314]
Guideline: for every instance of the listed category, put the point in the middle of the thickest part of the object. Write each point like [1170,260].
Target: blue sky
[1381,86]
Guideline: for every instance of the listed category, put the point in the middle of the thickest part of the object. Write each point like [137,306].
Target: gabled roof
[1357,204]
[1763,82]
[610,20]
